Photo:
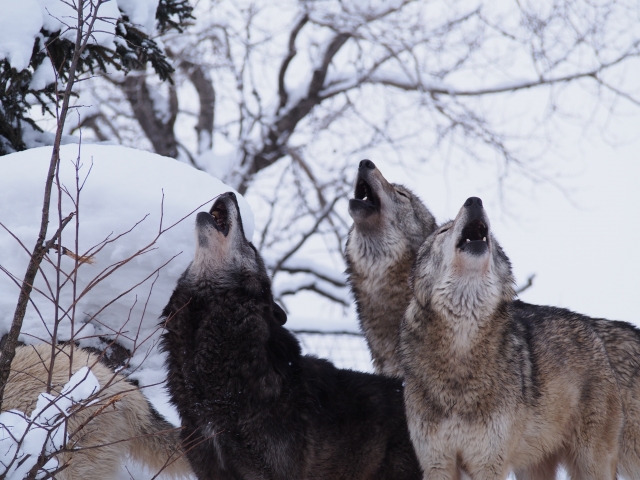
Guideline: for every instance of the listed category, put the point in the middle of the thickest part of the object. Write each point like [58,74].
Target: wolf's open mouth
[220,214]
[474,231]
[364,193]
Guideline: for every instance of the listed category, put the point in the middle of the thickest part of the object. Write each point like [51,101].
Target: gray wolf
[389,225]
[251,405]
[387,299]
[121,423]
[487,391]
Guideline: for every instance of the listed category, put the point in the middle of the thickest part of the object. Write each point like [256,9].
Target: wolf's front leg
[484,457]
[545,470]
[440,467]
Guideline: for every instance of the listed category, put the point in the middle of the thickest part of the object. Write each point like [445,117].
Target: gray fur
[488,391]
[252,406]
[381,247]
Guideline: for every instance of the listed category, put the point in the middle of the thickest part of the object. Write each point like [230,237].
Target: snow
[32,138]
[142,13]
[59,15]
[43,76]
[219,165]
[22,437]
[123,186]
[20,22]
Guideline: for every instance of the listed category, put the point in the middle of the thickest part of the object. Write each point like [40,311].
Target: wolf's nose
[230,194]
[366,165]
[473,202]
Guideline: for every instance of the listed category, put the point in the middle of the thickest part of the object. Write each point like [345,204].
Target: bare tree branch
[326,211]
[82,38]
[284,126]
[318,288]
[201,80]
[282,89]
[528,284]
[156,121]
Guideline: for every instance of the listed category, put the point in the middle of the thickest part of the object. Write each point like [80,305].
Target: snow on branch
[303,265]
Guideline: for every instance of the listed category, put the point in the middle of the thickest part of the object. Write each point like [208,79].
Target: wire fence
[344,349]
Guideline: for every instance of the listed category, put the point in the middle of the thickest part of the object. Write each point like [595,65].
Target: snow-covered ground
[123,190]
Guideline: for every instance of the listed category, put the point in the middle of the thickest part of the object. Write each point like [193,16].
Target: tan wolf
[487,391]
[125,424]
[389,225]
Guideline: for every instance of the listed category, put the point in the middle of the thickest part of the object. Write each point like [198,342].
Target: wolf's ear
[279,314]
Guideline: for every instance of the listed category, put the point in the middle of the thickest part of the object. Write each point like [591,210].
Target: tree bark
[156,124]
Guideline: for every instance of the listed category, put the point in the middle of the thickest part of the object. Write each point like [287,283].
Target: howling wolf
[121,423]
[487,391]
[621,339]
[389,225]
[251,405]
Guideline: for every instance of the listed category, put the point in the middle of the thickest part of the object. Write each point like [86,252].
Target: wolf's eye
[444,230]
[403,194]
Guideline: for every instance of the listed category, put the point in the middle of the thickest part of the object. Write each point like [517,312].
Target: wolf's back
[124,423]
[622,343]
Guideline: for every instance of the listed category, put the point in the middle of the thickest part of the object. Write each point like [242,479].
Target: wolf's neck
[466,307]
[231,351]
[379,280]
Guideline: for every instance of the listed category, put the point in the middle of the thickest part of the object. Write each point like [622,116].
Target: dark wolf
[488,391]
[251,405]
[120,424]
[389,225]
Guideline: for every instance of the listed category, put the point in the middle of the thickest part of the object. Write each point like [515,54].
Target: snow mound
[123,192]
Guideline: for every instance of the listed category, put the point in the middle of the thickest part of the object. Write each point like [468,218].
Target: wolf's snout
[222,213]
[473,202]
[366,165]
[474,237]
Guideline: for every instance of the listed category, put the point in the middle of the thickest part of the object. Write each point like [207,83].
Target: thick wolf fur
[487,391]
[621,339]
[622,342]
[127,426]
[252,406]
[389,225]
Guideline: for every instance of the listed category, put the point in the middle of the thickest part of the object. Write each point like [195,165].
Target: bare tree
[302,90]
